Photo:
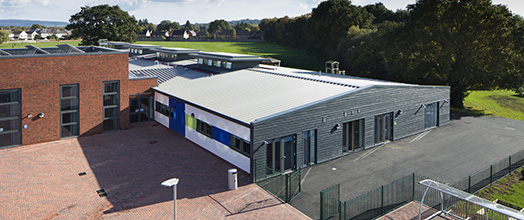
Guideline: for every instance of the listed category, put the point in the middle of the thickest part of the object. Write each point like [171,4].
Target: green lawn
[290,57]
[501,103]
[509,189]
[41,44]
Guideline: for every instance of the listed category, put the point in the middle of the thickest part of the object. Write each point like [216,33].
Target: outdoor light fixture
[41,115]
[399,112]
[265,143]
[29,115]
[172,183]
[337,126]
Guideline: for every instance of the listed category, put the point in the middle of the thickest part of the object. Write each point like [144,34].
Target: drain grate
[153,142]
[101,192]
[82,173]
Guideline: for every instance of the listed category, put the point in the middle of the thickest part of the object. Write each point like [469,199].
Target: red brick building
[51,93]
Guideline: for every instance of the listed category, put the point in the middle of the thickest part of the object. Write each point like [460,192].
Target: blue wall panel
[177,123]
[221,136]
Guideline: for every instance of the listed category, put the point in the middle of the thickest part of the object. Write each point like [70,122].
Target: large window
[69,106]
[310,147]
[353,138]
[383,128]
[281,154]
[139,109]
[111,106]
[431,115]
[205,128]
[10,117]
[240,145]
[164,109]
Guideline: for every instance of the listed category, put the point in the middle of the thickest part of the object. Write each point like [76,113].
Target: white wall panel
[224,124]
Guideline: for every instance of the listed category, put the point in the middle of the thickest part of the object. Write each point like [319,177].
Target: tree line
[465,44]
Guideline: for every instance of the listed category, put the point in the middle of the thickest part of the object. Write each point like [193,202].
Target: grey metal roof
[160,70]
[248,95]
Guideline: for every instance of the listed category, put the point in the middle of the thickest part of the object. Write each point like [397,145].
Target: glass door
[281,154]
[10,119]
[431,115]
[383,128]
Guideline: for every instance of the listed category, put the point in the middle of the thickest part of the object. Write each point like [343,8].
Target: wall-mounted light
[265,143]
[41,115]
[29,115]
[337,126]
[399,112]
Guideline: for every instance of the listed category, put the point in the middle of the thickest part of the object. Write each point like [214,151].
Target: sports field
[290,57]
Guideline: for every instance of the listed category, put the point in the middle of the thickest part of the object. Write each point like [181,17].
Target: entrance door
[310,147]
[141,109]
[383,128]
[431,115]
[281,154]
[10,120]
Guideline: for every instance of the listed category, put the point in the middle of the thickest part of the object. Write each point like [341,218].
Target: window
[164,109]
[310,147]
[139,109]
[205,128]
[228,65]
[353,135]
[240,145]
[69,110]
[200,61]
[10,133]
[111,108]
[210,62]
[219,63]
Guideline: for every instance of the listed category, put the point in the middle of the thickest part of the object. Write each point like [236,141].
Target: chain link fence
[389,197]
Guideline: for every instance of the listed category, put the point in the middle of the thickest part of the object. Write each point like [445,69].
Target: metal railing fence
[388,197]
[285,186]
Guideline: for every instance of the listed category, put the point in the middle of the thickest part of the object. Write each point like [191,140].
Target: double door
[281,154]
[383,128]
[10,119]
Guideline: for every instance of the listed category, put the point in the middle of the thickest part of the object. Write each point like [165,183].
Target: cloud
[19,3]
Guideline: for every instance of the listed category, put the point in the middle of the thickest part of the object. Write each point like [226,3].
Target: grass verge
[500,103]
[509,189]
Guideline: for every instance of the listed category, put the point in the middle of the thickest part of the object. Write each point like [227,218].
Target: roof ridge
[305,78]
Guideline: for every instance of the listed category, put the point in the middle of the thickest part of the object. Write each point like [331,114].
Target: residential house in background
[160,34]
[19,35]
[180,34]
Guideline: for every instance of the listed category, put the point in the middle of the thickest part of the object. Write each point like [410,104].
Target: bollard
[232,179]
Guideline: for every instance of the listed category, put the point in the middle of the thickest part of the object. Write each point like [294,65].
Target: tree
[188,26]
[103,22]
[167,25]
[4,36]
[35,26]
[218,25]
[463,44]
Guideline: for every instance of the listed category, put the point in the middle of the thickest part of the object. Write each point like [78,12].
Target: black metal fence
[285,186]
[391,196]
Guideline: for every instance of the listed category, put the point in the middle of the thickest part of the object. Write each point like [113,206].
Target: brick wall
[39,79]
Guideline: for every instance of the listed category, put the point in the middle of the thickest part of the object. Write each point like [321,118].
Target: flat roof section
[61,49]
[230,56]
[174,50]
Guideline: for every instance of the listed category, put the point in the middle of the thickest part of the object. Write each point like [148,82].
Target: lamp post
[172,183]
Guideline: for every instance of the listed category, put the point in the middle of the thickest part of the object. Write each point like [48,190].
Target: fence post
[321,205]
[287,187]
[491,174]
[413,192]
[339,210]
[382,200]
[469,184]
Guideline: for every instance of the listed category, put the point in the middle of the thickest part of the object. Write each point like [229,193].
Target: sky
[196,11]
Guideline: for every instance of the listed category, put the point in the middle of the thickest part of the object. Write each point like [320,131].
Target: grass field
[290,57]
[501,103]
[40,44]
[509,189]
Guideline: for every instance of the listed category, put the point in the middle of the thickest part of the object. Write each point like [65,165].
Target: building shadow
[129,166]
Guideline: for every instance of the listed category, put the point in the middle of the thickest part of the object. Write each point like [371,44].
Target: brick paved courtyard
[42,181]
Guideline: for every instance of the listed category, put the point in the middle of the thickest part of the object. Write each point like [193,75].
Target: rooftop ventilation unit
[333,67]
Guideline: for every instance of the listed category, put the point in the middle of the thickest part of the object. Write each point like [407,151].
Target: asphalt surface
[447,154]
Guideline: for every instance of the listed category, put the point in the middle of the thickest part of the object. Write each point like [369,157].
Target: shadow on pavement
[130,165]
